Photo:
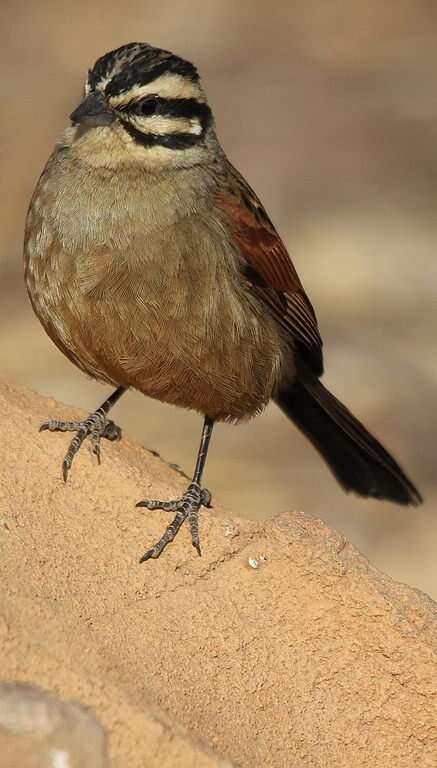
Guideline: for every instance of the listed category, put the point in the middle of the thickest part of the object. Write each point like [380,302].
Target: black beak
[93,111]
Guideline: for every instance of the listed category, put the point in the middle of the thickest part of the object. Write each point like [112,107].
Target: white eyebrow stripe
[170,85]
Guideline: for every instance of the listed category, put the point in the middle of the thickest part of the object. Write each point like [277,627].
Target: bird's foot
[186,508]
[96,426]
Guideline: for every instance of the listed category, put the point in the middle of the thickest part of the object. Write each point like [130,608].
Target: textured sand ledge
[311,658]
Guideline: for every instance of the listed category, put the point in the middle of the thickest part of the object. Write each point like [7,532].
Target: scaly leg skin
[96,426]
[187,507]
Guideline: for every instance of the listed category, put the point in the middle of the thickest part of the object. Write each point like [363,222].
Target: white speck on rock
[253,562]
[60,758]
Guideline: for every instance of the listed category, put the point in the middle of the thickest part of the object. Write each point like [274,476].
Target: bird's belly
[207,348]
[223,363]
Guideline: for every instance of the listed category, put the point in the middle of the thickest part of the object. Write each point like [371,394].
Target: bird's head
[142,104]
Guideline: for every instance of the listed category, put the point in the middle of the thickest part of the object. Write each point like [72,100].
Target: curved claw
[196,545]
[150,554]
[66,465]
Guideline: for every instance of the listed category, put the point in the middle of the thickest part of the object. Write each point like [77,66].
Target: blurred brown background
[330,111]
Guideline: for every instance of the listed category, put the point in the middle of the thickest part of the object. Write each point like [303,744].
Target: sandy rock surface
[281,646]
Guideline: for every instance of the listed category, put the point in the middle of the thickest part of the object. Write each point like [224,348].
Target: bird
[153,266]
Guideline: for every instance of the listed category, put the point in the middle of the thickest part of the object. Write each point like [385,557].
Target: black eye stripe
[156,105]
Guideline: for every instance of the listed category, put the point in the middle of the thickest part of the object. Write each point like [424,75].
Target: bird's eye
[147,106]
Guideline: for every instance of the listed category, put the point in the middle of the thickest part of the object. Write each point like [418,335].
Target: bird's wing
[270,269]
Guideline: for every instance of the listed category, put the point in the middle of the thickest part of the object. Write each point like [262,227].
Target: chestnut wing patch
[270,269]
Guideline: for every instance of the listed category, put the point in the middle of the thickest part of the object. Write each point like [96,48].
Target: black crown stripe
[138,74]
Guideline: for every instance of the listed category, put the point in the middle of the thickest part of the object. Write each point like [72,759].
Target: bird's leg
[95,426]
[187,507]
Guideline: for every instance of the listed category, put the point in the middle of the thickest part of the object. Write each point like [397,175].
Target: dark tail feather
[358,460]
